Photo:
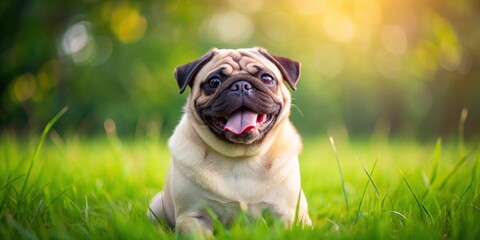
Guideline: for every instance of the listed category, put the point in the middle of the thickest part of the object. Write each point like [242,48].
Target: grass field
[75,188]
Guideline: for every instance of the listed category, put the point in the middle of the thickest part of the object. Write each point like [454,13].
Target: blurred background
[405,68]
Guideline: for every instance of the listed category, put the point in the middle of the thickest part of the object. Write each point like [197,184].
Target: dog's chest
[247,181]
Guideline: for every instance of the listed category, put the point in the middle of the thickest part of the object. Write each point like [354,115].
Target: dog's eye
[267,79]
[214,82]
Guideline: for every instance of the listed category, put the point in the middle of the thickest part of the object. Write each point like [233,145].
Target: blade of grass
[342,179]
[455,169]
[435,165]
[461,129]
[382,205]
[366,187]
[463,194]
[86,209]
[475,173]
[160,221]
[37,150]
[335,227]
[472,181]
[10,182]
[436,159]
[57,197]
[370,174]
[216,223]
[360,204]
[422,207]
[398,214]
[297,208]
[62,192]
[5,199]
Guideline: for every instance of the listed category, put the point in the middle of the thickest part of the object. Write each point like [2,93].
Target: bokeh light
[77,42]
[230,27]
[25,87]
[126,21]
[338,26]
[394,39]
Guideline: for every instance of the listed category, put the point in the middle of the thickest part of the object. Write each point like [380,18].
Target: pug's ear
[187,72]
[289,68]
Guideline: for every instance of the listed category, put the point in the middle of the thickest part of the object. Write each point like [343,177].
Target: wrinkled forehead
[231,62]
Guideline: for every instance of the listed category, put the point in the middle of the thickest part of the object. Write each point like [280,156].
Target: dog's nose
[241,87]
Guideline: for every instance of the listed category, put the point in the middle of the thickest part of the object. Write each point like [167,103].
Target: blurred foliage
[396,67]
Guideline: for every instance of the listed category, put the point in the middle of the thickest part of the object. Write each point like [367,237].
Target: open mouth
[241,121]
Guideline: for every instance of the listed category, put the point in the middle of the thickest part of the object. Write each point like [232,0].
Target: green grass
[75,188]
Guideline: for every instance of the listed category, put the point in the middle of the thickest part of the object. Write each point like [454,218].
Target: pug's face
[239,95]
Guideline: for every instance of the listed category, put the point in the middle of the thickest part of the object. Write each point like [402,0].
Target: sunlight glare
[247,5]
[394,39]
[338,26]
[230,27]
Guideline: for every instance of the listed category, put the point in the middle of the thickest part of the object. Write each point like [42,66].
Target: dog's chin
[251,134]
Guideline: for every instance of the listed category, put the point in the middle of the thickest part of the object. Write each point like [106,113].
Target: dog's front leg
[197,225]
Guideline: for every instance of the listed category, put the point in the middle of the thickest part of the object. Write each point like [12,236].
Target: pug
[235,148]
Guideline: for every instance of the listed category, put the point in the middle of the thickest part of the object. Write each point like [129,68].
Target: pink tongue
[241,121]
